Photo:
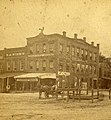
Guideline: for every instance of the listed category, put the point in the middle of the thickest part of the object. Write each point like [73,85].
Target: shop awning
[106,78]
[5,75]
[36,75]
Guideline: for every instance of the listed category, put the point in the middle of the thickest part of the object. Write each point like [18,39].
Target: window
[51,47]
[8,65]
[90,55]
[51,64]
[90,69]
[94,69]
[82,54]
[37,65]
[37,48]
[78,52]
[95,57]
[21,65]
[31,64]
[82,68]
[68,49]
[86,68]
[31,50]
[86,54]
[78,67]
[61,67]
[73,67]
[61,48]
[14,65]
[44,65]
[1,66]
[67,67]
[44,48]
[73,50]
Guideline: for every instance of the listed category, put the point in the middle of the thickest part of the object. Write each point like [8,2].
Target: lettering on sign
[41,55]
[63,73]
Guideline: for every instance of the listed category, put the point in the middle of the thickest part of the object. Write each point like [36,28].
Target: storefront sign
[63,73]
[41,55]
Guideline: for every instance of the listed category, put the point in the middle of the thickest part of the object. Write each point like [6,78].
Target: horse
[48,90]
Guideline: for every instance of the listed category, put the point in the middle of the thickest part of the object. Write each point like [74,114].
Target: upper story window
[61,66]
[90,55]
[8,65]
[37,65]
[95,57]
[94,69]
[82,54]
[67,67]
[31,49]
[37,48]
[90,69]
[51,47]
[82,68]
[73,67]
[73,50]
[78,52]
[61,48]
[51,64]
[78,67]
[44,65]
[14,65]
[1,67]
[31,64]
[86,68]
[86,54]
[68,49]
[44,48]
[22,64]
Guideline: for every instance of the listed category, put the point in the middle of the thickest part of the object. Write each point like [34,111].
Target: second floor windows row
[79,53]
[41,65]
[15,65]
[78,68]
[42,48]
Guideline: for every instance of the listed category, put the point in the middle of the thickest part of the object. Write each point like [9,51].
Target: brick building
[105,73]
[55,53]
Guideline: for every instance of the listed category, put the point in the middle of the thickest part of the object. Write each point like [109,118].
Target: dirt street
[27,106]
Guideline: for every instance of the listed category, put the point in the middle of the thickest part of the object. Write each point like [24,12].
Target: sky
[20,19]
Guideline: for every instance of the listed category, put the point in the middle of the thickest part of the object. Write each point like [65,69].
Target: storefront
[28,82]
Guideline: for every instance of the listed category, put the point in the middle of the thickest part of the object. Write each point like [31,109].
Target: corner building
[53,53]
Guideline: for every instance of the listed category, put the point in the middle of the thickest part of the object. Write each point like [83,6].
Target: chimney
[75,36]
[98,46]
[84,38]
[92,43]
[64,33]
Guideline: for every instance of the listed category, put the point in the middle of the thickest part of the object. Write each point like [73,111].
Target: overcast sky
[20,19]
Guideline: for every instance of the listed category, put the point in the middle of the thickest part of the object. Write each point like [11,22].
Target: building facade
[105,73]
[55,53]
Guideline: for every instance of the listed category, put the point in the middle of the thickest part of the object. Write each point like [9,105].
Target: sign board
[63,73]
[41,55]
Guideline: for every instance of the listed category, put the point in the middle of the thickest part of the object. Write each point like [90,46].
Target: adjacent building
[105,73]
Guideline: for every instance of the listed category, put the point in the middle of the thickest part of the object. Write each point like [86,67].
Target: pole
[92,94]
[92,91]
[15,85]
[57,88]
[23,87]
[73,95]
[109,93]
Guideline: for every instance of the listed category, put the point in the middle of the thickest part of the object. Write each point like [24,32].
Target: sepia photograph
[55,59]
